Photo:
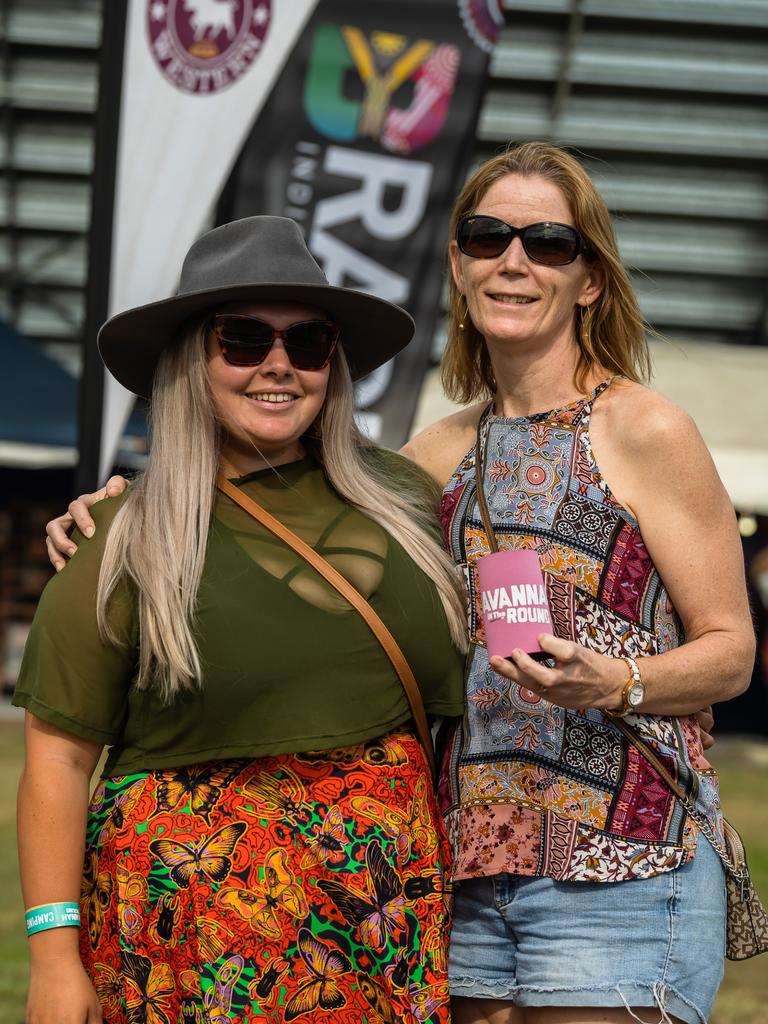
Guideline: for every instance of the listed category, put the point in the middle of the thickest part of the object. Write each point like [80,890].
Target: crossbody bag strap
[481,446]
[358,602]
[731,863]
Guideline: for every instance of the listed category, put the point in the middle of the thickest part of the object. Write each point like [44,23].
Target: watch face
[636,695]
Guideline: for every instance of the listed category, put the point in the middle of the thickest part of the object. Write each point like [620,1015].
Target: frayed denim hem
[665,999]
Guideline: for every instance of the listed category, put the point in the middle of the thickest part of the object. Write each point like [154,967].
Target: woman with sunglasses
[584,891]
[264,842]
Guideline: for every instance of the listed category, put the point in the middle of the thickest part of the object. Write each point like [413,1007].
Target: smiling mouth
[513,300]
[271,397]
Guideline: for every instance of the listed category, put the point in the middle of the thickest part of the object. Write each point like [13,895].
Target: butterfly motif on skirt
[278,799]
[278,890]
[209,857]
[132,893]
[404,829]
[329,842]
[377,914]
[148,988]
[197,785]
[95,896]
[218,999]
[121,806]
[325,965]
[109,987]
[377,999]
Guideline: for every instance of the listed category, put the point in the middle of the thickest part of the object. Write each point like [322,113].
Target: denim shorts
[657,942]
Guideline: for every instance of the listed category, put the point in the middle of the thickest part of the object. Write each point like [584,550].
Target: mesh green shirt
[288,666]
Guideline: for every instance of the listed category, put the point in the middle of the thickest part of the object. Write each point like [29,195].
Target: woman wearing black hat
[264,840]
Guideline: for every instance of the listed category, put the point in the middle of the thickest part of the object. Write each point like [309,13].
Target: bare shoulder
[646,445]
[440,447]
[644,423]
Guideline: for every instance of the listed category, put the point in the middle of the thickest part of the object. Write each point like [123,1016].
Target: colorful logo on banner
[482,19]
[202,46]
[389,67]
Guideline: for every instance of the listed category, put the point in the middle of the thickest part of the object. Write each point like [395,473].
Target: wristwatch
[633,694]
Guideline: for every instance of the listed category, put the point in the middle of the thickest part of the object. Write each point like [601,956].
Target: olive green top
[288,666]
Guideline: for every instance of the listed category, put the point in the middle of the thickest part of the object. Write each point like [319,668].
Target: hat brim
[372,330]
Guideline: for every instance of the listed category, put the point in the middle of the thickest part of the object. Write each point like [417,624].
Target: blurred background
[665,103]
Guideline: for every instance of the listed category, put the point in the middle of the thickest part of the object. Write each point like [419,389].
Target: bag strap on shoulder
[358,602]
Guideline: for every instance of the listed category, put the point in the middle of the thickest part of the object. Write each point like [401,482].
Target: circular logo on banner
[205,45]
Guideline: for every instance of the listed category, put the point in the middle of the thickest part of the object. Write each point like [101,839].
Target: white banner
[196,75]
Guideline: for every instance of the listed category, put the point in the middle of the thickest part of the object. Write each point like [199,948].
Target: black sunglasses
[245,340]
[549,243]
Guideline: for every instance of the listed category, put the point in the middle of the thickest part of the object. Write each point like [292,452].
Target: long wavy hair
[158,538]
[610,333]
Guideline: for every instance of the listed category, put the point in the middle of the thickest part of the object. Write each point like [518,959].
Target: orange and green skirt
[305,887]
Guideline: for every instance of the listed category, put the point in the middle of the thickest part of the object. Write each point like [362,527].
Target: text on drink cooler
[524,603]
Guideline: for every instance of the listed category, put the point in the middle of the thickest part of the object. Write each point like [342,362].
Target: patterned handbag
[746,931]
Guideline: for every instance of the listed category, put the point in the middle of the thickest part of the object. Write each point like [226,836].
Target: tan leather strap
[358,602]
[481,445]
[732,855]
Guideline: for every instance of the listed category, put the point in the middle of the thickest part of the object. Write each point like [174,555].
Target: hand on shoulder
[439,448]
[58,540]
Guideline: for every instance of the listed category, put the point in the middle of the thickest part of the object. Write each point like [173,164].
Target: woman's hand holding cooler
[580,678]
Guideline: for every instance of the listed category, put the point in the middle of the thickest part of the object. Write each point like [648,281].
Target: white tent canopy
[725,390]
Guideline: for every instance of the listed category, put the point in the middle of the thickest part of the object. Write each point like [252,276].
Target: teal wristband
[52,915]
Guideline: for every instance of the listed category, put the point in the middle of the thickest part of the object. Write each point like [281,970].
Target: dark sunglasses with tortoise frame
[246,340]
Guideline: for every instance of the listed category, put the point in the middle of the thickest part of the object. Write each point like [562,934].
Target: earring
[585,329]
[465,314]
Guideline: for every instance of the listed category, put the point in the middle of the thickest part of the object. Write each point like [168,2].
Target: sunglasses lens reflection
[487,237]
[484,237]
[551,244]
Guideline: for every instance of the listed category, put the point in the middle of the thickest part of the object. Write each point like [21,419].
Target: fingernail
[58,566]
[71,551]
[88,531]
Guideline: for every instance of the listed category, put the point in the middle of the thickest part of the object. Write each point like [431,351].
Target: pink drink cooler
[514,602]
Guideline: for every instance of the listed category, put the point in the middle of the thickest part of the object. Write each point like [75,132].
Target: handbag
[358,602]
[746,930]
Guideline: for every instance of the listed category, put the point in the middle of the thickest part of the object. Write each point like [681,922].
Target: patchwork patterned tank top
[530,787]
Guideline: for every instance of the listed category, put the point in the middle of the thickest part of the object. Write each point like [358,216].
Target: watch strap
[633,679]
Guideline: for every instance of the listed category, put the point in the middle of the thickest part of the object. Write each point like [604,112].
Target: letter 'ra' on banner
[365,140]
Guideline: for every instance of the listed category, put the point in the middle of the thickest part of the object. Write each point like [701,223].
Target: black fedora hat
[255,259]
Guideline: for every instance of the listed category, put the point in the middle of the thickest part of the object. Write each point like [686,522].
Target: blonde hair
[610,333]
[159,536]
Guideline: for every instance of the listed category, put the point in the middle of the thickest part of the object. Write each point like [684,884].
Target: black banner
[364,141]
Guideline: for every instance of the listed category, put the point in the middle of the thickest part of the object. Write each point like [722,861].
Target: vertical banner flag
[365,140]
[196,73]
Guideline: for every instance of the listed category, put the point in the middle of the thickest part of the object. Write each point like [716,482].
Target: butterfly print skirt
[303,887]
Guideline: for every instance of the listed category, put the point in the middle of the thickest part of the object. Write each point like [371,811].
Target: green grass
[743,768]
[13,943]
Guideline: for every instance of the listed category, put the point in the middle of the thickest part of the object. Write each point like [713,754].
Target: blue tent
[39,408]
